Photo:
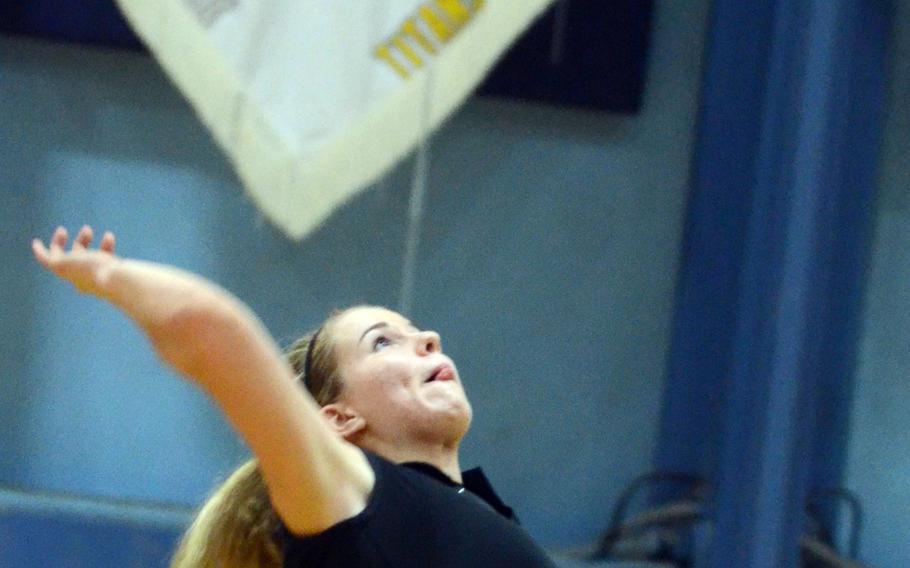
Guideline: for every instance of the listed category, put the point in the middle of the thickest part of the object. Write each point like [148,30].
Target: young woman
[362,471]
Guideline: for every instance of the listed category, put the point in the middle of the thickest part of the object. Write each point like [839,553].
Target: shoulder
[397,495]
[344,536]
[386,481]
[340,489]
[413,520]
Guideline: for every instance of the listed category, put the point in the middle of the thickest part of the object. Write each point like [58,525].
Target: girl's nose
[428,342]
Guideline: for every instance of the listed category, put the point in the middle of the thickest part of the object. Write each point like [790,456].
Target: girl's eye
[380,342]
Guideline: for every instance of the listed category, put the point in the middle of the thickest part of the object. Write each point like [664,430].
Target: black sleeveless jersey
[417,517]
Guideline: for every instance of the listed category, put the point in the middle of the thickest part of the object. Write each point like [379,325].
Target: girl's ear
[343,419]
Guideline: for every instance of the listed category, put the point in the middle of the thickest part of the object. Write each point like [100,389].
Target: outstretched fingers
[59,239]
[81,266]
[84,238]
[46,254]
[42,255]
[55,250]
[108,242]
[86,235]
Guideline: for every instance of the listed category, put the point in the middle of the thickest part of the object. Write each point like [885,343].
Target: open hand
[85,268]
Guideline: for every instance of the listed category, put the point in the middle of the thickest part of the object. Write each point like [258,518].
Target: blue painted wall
[548,259]
[878,468]
[42,530]
[777,240]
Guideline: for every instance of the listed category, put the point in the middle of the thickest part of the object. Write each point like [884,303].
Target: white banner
[313,100]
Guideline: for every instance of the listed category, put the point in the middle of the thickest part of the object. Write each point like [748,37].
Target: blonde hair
[237,527]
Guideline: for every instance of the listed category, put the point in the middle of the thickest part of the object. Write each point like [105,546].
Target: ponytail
[236,528]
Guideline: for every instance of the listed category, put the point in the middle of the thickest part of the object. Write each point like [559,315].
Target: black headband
[308,361]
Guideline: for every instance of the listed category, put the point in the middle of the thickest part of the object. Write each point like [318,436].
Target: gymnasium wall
[878,466]
[547,260]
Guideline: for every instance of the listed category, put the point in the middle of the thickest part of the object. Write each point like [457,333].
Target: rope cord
[416,201]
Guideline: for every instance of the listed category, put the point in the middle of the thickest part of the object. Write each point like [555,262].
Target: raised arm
[315,479]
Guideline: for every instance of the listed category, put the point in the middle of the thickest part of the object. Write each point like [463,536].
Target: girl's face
[397,378]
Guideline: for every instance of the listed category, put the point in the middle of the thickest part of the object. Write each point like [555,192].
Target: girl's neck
[442,456]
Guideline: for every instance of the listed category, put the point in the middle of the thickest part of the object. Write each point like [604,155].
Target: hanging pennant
[313,100]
